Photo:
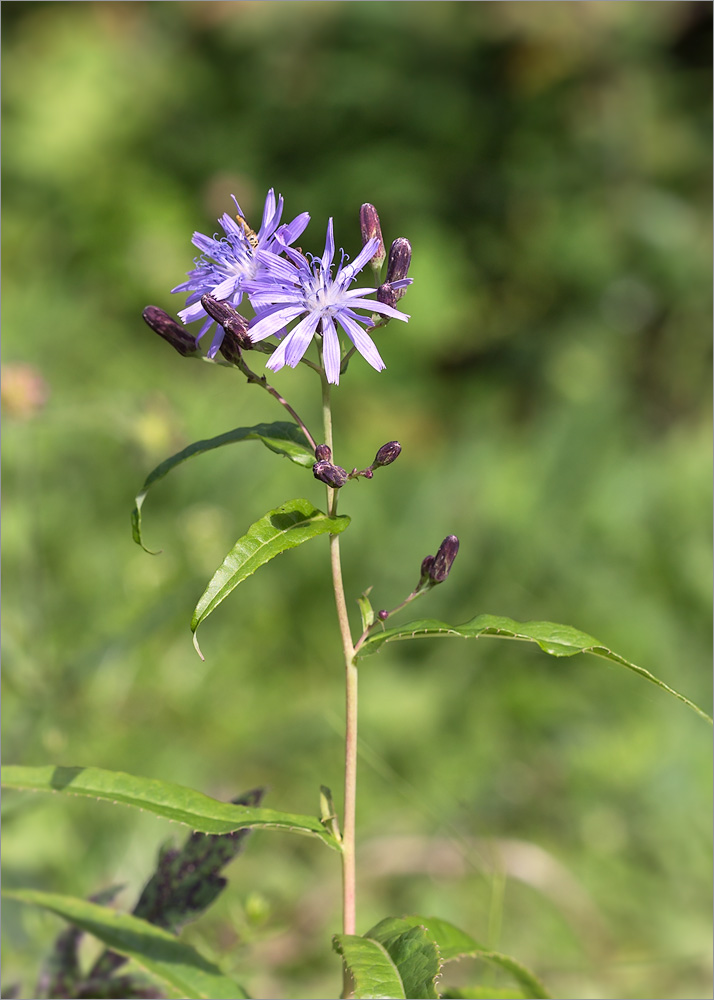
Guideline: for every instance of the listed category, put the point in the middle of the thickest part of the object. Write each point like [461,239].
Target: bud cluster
[435,569]
[323,469]
[400,256]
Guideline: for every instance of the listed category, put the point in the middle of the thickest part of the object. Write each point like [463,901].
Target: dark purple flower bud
[323,453]
[231,321]
[387,295]
[370,227]
[444,558]
[400,257]
[426,564]
[167,327]
[387,454]
[331,475]
[382,615]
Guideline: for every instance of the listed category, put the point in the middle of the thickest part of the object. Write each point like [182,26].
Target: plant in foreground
[295,309]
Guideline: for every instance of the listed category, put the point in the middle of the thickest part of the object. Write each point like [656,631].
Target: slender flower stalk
[350,796]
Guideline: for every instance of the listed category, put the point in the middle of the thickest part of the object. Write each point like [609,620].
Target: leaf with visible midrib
[160,953]
[558,640]
[184,805]
[291,524]
[282,437]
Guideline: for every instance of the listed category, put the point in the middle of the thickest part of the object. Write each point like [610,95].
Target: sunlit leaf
[184,805]
[558,640]
[283,437]
[160,953]
[291,524]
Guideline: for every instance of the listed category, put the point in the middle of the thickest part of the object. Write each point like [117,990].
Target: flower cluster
[227,263]
[285,286]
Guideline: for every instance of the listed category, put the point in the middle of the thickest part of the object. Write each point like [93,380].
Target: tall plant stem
[348,819]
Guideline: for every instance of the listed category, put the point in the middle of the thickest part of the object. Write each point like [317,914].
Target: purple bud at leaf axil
[331,475]
[323,453]
[444,558]
[167,327]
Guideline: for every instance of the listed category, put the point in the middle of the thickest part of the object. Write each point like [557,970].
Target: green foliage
[171,961]
[183,805]
[558,640]
[282,437]
[374,972]
[291,524]
[403,956]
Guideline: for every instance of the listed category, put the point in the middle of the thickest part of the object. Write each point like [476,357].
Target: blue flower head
[228,262]
[294,286]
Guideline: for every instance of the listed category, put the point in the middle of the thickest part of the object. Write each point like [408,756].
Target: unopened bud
[387,454]
[382,615]
[370,227]
[167,327]
[400,257]
[444,558]
[331,475]
[387,295]
[231,321]
[426,564]
[323,453]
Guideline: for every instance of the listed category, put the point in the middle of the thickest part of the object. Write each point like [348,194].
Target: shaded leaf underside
[282,437]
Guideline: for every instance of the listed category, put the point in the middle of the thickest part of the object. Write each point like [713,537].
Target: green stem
[348,819]
[263,383]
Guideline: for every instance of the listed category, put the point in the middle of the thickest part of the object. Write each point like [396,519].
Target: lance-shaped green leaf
[184,805]
[283,437]
[453,943]
[160,953]
[291,524]
[558,640]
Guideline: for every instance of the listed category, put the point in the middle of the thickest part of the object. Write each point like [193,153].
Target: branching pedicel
[295,307]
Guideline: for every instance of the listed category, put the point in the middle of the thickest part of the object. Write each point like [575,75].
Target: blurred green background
[550,163]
